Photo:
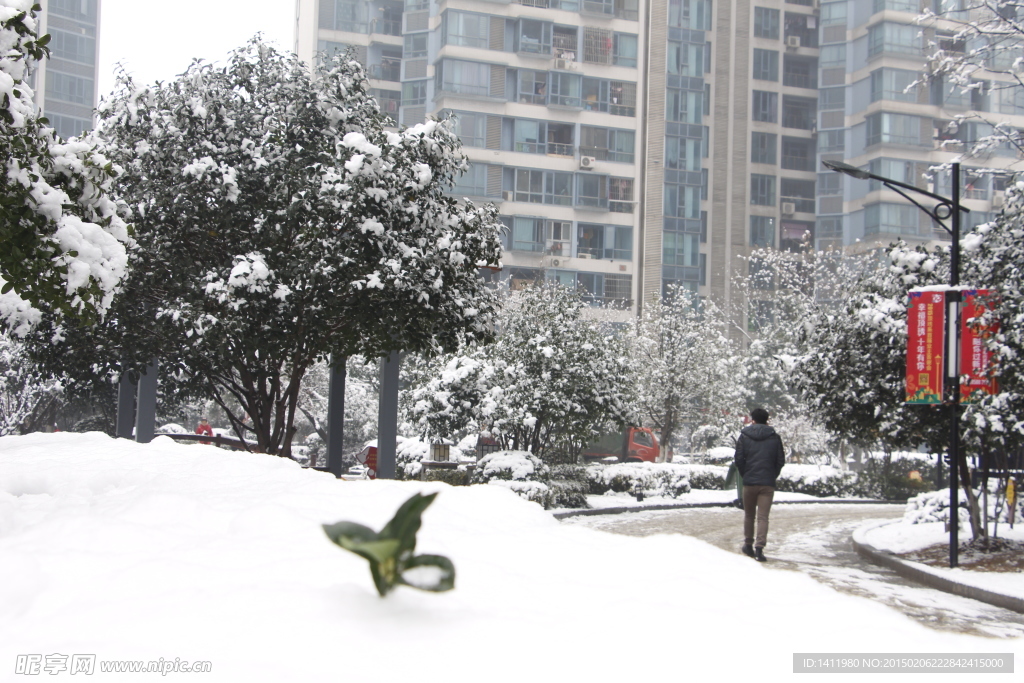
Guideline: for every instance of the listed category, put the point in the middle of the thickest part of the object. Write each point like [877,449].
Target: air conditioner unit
[587,162]
[792,42]
[555,263]
[997,199]
[788,208]
[565,65]
[507,195]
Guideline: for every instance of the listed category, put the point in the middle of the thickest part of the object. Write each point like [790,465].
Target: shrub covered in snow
[934,507]
[509,466]
[720,455]
[706,477]
[661,479]
[533,491]
[411,452]
[816,480]
[569,485]
[888,479]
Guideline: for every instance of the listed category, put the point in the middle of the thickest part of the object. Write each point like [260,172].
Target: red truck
[633,444]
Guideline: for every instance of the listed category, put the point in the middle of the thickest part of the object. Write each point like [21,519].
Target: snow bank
[139,552]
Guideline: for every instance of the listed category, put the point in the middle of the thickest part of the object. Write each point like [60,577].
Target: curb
[918,572]
[682,506]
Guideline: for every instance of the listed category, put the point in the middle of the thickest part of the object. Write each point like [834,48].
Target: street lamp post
[946,209]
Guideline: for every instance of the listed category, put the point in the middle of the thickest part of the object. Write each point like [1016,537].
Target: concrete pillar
[387,416]
[336,417]
[145,415]
[125,406]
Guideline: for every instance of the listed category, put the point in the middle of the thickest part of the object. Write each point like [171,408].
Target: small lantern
[440,452]
[638,491]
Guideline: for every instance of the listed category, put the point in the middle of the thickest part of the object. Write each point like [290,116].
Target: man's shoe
[748,550]
[759,555]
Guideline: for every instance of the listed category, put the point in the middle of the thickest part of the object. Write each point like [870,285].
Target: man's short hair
[759,415]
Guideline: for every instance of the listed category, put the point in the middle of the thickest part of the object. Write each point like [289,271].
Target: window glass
[762,231]
[463,28]
[625,49]
[73,47]
[762,189]
[763,148]
[467,78]
[766,106]
[766,65]
[766,23]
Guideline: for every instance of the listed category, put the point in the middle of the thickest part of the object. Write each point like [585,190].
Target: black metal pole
[335,445]
[953,348]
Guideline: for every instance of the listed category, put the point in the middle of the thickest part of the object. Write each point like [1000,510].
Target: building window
[912,6]
[389,100]
[471,128]
[463,28]
[625,49]
[762,148]
[80,10]
[766,65]
[682,154]
[900,129]
[344,15]
[831,141]
[893,84]
[73,47]
[542,187]
[565,90]
[833,56]
[894,38]
[608,144]
[620,195]
[762,231]
[680,249]
[799,112]
[897,169]
[766,23]
[592,190]
[534,37]
[597,46]
[830,184]
[414,45]
[832,98]
[68,88]
[472,183]
[762,189]
[684,106]
[897,219]
[766,106]
[798,154]
[800,72]
[413,93]
[615,97]
[681,201]
[686,59]
[465,78]
[533,87]
[833,13]
[692,14]
[528,234]
[69,127]
[590,242]
[800,193]
[621,247]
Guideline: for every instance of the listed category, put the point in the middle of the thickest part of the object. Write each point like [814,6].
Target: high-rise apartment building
[630,144]
[66,84]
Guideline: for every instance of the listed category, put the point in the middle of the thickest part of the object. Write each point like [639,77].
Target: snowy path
[816,540]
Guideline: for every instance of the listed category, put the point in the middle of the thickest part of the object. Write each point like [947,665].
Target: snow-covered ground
[901,537]
[695,496]
[133,552]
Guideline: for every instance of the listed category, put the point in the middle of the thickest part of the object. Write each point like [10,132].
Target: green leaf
[380,550]
[407,521]
[351,530]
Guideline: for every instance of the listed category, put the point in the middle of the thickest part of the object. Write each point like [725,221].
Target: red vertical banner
[976,371]
[926,325]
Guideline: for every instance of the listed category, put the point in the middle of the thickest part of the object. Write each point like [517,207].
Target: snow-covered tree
[683,363]
[361,402]
[974,49]
[994,259]
[280,221]
[852,372]
[28,402]
[62,242]
[553,380]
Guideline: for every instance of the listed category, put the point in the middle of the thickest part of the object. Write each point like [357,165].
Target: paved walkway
[816,540]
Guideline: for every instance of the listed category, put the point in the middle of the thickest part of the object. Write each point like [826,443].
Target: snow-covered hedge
[706,477]
[517,470]
[720,455]
[569,485]
[934,507]
[661,479]
[509,466]
[816,480]
[533,491]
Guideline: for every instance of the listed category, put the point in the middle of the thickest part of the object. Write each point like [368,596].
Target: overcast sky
[157,40]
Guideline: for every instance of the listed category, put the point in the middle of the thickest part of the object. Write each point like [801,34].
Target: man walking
[759,459]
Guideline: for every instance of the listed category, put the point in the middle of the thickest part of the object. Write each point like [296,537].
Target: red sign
[976,371]
[926,322]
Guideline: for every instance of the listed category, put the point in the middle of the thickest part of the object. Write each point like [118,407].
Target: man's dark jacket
[759,456]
